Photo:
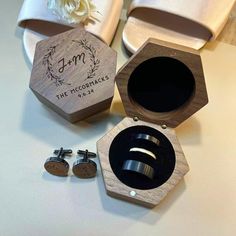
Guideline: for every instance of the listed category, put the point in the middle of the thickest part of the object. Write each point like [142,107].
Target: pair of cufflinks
[82,168]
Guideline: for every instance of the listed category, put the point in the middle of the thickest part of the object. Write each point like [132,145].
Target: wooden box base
[121,185]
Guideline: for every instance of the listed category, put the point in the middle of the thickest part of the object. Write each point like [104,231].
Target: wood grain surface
[73,74]
[155,48]
[147,198]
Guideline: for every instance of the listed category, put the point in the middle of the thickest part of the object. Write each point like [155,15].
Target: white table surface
[34,203]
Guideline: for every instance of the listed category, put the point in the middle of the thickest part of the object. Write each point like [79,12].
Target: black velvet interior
[163,166]
[161,84]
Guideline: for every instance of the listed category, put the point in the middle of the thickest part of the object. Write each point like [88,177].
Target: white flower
[73,11]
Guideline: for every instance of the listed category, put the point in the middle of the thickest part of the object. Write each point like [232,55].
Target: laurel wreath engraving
[92,53]
[50,72]
[59,81]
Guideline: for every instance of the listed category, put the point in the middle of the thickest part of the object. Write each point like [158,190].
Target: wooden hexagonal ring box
[160,86]
[73,74]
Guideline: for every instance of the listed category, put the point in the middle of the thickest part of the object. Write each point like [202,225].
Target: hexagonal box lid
[162,83]
[73,73]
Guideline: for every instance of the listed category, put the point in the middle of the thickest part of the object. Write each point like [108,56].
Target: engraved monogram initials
[63,64]
[71,62]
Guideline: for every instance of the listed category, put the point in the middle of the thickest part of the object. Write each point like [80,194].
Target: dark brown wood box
[161,86]
[73,74]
